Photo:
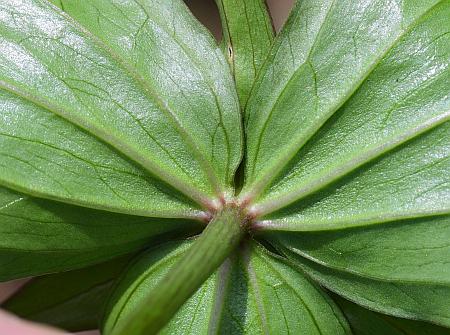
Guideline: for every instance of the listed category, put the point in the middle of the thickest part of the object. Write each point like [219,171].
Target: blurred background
[206,11]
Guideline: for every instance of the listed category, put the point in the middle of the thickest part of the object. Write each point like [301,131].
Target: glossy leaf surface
[284,300]
[377,71]
[44,155]
[183,67]
[364,322]
[247,38]
[72,300]
[40,236]
[405,300]
[100,83]
[410,182]
[253,293]
[409,251]
[141,276]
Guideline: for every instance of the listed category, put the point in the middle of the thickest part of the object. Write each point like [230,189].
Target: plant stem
[218,240]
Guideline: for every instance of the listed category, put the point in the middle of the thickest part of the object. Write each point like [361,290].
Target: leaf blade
[405,300]
[199,86]
[410,182]
[55,159]
[408,251]
[248,36]
[300,100]
[72,300]
[318,314]
[102,96]
[41,236]
[404,96]
[230,305]
[365,322]
[144,273]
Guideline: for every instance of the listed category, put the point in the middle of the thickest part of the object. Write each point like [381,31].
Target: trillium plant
[156,181]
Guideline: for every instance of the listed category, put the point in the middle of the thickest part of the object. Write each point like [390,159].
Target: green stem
[218,240]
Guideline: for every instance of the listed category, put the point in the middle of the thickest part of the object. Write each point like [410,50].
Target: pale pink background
[206,12]
[10,325]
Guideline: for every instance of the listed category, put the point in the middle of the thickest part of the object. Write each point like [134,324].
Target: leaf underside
[124,124]
[246,295]
[364,322]
[73,300]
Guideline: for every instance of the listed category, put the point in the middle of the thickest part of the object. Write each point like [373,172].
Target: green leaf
[252,293]
[131,110]
[377,71]
[255,293]
[408,251]
[44,155]
[417,301]
[248,35]
[41,236]
[285,301]
[365,322]
[129,74]
[201,314]
[411,182]
[72,300]
[141,277]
